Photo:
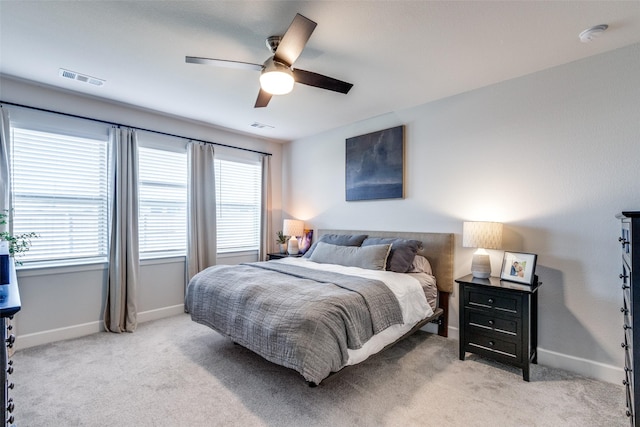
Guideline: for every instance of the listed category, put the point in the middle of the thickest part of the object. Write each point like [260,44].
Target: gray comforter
[301,318]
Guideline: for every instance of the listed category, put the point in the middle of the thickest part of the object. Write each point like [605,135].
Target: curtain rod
[134,127]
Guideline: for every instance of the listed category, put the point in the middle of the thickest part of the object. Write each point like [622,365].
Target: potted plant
[19,243]
[282,242]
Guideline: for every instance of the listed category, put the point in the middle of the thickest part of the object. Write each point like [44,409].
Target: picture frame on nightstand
[519,267]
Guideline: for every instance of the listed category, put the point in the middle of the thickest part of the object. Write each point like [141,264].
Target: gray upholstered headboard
[437,248]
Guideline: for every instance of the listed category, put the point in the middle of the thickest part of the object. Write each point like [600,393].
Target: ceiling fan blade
[263,99]
[223,63]
[294,39]
[323,82]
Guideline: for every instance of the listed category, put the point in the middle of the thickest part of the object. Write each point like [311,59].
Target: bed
[336,306]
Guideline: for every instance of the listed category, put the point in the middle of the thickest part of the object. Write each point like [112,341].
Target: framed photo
[305,241]
[375,165]
[518,267]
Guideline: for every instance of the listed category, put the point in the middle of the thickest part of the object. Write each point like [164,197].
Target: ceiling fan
[277,73]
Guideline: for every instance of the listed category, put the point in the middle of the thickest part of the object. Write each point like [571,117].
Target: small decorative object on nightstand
[499,320]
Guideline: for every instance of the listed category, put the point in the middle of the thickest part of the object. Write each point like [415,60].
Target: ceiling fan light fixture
[276,78]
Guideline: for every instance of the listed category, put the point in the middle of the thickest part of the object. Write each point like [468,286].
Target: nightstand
[499,320]
[280,256]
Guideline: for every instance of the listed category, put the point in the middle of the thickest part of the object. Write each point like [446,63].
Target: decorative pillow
[373,257]
[421,265]
[339,240]
[403,251]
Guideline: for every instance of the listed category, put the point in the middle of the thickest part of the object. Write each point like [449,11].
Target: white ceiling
[398,54]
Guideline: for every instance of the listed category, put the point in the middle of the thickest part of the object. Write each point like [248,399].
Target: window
[162,208]
[238,200]
[60,190]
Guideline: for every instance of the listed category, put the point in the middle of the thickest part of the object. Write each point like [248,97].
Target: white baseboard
[76,331]
[588,368]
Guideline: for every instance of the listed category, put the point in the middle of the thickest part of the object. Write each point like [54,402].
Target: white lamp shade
[485,235]
[481,235]
[293,227]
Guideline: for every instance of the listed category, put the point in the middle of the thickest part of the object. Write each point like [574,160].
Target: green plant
[281,237]
[19,243]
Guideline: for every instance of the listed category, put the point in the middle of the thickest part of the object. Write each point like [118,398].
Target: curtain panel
[201,206]
[5,173]
[124,261]
[266,227]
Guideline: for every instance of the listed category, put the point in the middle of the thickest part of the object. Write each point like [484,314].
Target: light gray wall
[59,303]
[554,155]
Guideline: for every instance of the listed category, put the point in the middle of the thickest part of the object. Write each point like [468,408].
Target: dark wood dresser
[630,277]
[9,305]
[499,320]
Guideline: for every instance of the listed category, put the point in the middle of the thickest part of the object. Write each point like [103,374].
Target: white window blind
[162,189]
[238,200]
[60,187]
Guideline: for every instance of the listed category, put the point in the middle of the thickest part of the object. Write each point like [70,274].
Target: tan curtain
[120,313]
[266,229]
[201,239]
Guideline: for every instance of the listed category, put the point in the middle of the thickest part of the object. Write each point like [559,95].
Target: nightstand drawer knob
[491,343]
[491,322]
[490,301]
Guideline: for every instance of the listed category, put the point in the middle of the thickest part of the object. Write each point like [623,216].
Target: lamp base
[293,249]
[481,265]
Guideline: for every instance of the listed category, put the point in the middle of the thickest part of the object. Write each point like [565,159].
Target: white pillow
[372,257]
[420,265]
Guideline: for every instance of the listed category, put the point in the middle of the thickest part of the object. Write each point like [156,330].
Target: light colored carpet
[174,372]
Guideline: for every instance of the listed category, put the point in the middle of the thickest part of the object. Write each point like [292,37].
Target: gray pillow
[372,257]
[339,240]
[403,251]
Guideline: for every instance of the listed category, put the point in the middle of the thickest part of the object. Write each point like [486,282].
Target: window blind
[162,189]
[60,188]
[238,200]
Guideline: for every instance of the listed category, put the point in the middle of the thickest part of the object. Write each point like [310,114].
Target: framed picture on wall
[375,165]
[518,267]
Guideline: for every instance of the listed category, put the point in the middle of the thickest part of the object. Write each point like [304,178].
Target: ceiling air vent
[261,125]
[67,74]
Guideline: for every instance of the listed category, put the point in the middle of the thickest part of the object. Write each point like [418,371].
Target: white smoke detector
[591,33]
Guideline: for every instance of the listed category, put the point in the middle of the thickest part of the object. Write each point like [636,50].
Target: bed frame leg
[443,324]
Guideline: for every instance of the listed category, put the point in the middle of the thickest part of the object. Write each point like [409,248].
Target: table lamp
[481,235]
[293,228]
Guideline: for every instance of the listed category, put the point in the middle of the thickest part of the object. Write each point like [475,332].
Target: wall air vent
[67,74]
[261,125]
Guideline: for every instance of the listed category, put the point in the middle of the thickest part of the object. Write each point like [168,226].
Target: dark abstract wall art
[375,165]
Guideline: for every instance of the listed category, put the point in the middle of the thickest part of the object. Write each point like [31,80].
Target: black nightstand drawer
[482,343]
[487,299]
[488,321]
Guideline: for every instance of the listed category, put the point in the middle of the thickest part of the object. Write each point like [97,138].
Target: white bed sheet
[406,288]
